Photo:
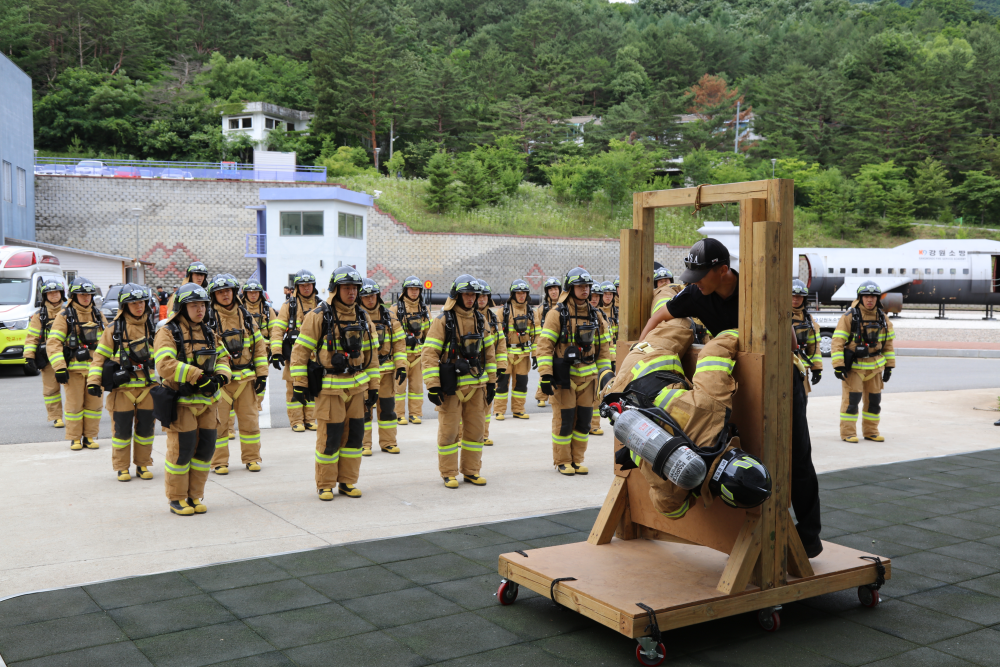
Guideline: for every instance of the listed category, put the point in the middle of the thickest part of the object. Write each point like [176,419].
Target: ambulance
[22,272]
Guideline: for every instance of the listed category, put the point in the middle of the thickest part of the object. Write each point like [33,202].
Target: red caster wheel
[507,592]
[655,654]
[868,596]
[769,619]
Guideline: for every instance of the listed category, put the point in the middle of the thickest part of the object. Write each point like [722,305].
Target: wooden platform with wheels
[641,573]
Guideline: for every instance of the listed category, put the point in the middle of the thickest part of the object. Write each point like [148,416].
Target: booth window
[302,223]
[351,226]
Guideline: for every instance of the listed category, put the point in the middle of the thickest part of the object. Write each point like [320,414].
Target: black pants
[805,486]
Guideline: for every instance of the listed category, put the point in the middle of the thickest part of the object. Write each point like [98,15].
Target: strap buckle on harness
[643,347]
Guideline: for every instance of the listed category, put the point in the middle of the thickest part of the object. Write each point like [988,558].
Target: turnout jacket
[610,315]
[314,342]
[59,334]
[517,343]
[438,339]
[36,333]
[280,323]
[807,337]
[663,294]
[551,347]
[252,360]
[263,315]
[701,411]
[136,328]
[875,329]
[495,338]
[541,310]
[411,307]
[392,351]
[176,369]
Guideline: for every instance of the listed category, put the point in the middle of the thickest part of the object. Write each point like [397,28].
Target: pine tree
[899,207]
[472,186]
[931,186]
[440,193]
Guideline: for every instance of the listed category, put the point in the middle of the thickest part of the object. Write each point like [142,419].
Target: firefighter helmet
[740,480]
[869,288]
[799,288]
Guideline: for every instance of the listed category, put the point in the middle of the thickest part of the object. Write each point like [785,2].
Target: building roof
[78,251]
[273,110]
[301,194]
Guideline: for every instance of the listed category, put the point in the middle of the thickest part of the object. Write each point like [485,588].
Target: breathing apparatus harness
[802,329]
[412,323]
[204,358]
[233,340]
[582,340]
[383,326]
[521,323]
[133,355]
[82,337]
[461,354]
[344,341]
[44,325]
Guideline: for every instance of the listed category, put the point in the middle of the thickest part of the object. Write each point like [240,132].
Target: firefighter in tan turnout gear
[518,325]
[196,273]
[574,361]
[413,316]
[193,366]
[252,297]
[494,339]
[335,362]
[460,373]
[863,359]
[72,339]
[237,330]
[284,330]
[806,330]
[550,296]
[123,366]
[596,302]
[392,363]
[36,358]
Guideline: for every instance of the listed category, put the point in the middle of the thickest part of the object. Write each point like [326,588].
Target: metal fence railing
[177,171]
[256,245]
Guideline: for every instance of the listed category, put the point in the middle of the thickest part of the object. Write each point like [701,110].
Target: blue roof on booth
[331,193]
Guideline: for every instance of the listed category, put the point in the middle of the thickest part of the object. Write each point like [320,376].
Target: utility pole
[736,143]
[392,123]
[376,157]
[137,211]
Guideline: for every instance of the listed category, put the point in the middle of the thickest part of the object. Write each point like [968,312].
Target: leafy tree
[931,187]
[440,192]
[396,164]
[899,209]
[473,187]
[978,196]
[629,77]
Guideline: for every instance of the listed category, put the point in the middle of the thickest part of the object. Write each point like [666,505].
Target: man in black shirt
[712,295]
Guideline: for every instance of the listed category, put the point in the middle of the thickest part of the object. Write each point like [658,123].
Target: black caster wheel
[868,595]
[507,592]
[769,620]
[654,655]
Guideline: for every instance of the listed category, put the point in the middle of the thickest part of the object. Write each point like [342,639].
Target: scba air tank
[645,438]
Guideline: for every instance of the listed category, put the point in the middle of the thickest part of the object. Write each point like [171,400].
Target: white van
[22,272]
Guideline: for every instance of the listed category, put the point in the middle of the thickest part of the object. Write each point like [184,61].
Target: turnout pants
[386,407]
[411,389]
[595,419]
[571,415]
[339,435]
[51,394]
[861,389]
[237,398]
[467,417]
[297,413]
[190,446]
[131,411]
[83,411]
[805,486]
[515,382]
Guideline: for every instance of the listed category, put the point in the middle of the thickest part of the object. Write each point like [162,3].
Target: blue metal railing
[179,171]
[256,245]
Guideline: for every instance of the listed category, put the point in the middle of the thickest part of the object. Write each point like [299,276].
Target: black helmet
[133,293]
[617,282]
[370,287]
[741,480]
[464,284]
[53,285]
[799,288]
[551,282]
[189,293]
[196,267]
[597,288]
[251,286]
[484,288]
[577,276]
[869,288]
[303,277]
[519,286]
[411,281]
[223,281]
[662,273]
[81,286]
[608,286]
[345,275]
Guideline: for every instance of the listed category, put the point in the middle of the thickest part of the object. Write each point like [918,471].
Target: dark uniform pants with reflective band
[132,428]
[864,394]
[595,418]
[469,419]
[243,410]
[51,394]
[297,414]
[385,411]
[412,388]
[190,446]
[515,382]
[83,411]
[339,437]
[805,485]
[571,418]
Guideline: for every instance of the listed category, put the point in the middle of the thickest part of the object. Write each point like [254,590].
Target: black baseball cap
[704,256]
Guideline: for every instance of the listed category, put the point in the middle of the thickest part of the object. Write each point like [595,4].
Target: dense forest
[883,113]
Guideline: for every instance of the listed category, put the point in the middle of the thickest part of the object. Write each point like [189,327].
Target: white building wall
[102,272]
[319,254]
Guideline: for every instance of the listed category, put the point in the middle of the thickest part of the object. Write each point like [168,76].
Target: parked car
[51,169]
[90,168]
[145,173]
[176,175]
[126,172]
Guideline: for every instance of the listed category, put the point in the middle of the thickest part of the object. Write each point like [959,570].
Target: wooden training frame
[719,561]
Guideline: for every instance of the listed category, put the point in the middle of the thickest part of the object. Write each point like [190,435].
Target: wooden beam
[611,512]
[630,319]
[710,194]
[743,558]
[798,561]
[751,211]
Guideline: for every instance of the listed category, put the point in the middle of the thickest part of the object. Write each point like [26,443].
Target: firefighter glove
[434,396]
[94,390]
[491,392]
[400,375]
[207,385]
[501,371]
[62,376]
[276,360]
[624,460]
[546,385]
[372,399]
[260,384]
[29,365]
[534,363]
[886,374]
[839,374]
[817,375]
[300,395]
